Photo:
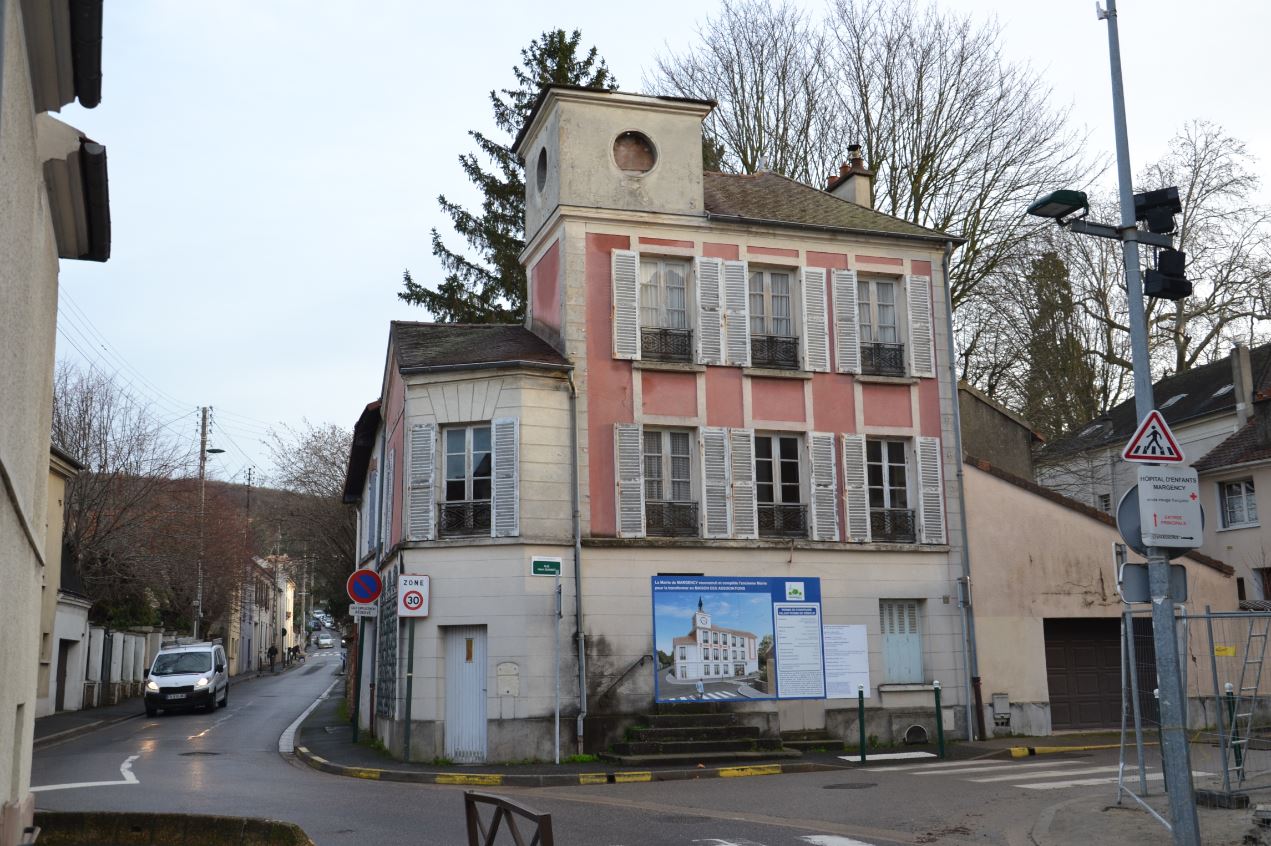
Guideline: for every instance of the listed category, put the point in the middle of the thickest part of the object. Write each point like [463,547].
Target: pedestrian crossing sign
[1153,443]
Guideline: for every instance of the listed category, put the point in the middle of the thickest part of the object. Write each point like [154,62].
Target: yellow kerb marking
[593,778]
[623,778]
[742,772]
[359,772]
[486,779]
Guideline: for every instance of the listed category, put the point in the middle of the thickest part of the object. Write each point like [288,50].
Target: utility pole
[198,595]
[1184,827]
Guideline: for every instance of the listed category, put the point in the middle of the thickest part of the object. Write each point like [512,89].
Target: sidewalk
[63,725]
[324,741]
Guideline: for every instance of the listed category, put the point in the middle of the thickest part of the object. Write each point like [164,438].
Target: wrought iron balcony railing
[883,359]
[783,521]
[776,351]
[464,518]
[670,519]
[666,344]
[893,524]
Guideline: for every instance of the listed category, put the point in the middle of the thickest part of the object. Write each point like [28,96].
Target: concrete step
[687,720]
[701,757]
[697,733]
[693,747]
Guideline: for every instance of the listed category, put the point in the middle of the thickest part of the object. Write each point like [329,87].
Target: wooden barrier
[481,834]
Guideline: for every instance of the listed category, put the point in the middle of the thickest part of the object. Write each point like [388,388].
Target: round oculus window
[540,169]
[633,152]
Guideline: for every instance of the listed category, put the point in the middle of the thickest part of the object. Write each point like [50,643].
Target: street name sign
[412,596]
[1169,507]
[1153,443]
[545,567]
[359,610]
[364,586]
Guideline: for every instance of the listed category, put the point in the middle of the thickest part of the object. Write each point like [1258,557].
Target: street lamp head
[213,451]
[1059,205]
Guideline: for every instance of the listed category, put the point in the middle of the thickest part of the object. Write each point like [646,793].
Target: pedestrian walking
[273,656]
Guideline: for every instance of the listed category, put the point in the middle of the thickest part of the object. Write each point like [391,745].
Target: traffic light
[1158,209]
[1168,281]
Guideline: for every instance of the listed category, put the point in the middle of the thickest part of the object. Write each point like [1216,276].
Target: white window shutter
[931,491]
[505,505]
[389,540]
[922,352]
[736,313]
[847,331]
[855,489]
[824,505]
[714,451]
[710,314]
[628,439]
[815,337]
[423,460]
[741,461]
[626,304]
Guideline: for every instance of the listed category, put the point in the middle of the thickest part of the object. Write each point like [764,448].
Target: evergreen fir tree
[490,286]
[1059,386]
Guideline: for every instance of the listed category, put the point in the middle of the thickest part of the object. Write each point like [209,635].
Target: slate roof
[771,198]
[1250,443]
[455,345]
[1200,391]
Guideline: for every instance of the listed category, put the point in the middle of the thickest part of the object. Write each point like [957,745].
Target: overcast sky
[274,166]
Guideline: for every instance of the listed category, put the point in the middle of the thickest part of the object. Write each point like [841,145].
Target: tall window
[890,517]
[778,490]
[669,507]
[882,352]
[466,506]
[664,329]
[771,308]
[1239,507]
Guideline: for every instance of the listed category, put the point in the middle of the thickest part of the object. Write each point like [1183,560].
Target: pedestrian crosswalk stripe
[943,765]
[1045,774]
[980,767]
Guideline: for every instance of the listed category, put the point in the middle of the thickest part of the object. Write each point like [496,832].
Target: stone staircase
[812,740]
[695,734]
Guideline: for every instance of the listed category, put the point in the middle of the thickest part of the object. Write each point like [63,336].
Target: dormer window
[633,153]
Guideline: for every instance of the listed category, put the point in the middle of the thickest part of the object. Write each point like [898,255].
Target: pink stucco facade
[545,295]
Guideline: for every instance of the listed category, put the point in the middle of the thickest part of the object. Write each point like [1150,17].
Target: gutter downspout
[974,697]
[579,636]
[577,559]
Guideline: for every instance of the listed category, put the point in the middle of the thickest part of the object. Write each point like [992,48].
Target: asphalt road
[228,763]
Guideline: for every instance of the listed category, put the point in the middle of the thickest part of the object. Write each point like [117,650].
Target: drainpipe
[578,557]
[974,696]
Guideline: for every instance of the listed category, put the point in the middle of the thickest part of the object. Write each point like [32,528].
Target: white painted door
[465,694]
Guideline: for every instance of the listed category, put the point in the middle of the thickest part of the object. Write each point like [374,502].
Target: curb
[556,780]
[1029,751]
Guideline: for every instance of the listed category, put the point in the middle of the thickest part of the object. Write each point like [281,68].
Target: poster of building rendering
[728,639]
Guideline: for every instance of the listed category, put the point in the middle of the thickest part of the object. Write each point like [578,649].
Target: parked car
[193,675]
[325,641]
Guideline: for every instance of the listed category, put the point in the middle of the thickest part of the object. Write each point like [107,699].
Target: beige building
[737,376]
[53,203]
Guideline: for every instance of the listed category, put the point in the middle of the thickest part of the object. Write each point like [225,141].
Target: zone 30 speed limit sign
[412,596]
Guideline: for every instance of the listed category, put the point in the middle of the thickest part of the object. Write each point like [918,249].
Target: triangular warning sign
[1153,442]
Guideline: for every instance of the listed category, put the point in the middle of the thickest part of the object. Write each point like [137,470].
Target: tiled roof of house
[770,197]
[1079,507]
[454,345]
[1184,396]
[1249,443]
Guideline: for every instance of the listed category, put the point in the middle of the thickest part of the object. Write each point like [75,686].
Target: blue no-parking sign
[364,586]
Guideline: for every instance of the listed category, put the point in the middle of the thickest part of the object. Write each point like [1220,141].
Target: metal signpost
[1185,826]
[551,567]
[364,587]
[412,603]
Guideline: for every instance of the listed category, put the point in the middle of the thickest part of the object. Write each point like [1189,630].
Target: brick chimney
[854,183]
[1242,379]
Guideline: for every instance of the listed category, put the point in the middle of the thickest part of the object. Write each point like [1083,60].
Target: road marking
[943,765]
[125,770]
[832,840]
[1094,782]
[888,756]
[209,728]
[1014,768]
[1044,774]
[755,770]
[287,742]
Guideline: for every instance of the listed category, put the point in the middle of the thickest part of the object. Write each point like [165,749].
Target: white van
[193,675]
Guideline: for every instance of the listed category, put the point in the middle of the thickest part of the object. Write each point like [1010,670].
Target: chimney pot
[844,170]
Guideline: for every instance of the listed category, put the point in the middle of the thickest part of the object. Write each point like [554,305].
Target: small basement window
[633,153]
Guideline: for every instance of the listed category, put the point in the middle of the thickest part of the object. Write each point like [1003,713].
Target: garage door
[1083,672]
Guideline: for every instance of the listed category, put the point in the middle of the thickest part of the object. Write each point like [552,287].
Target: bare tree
[130,461]
[763,64]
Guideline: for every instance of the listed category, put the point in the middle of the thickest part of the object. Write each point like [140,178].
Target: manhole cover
[199,753]
[851,785]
